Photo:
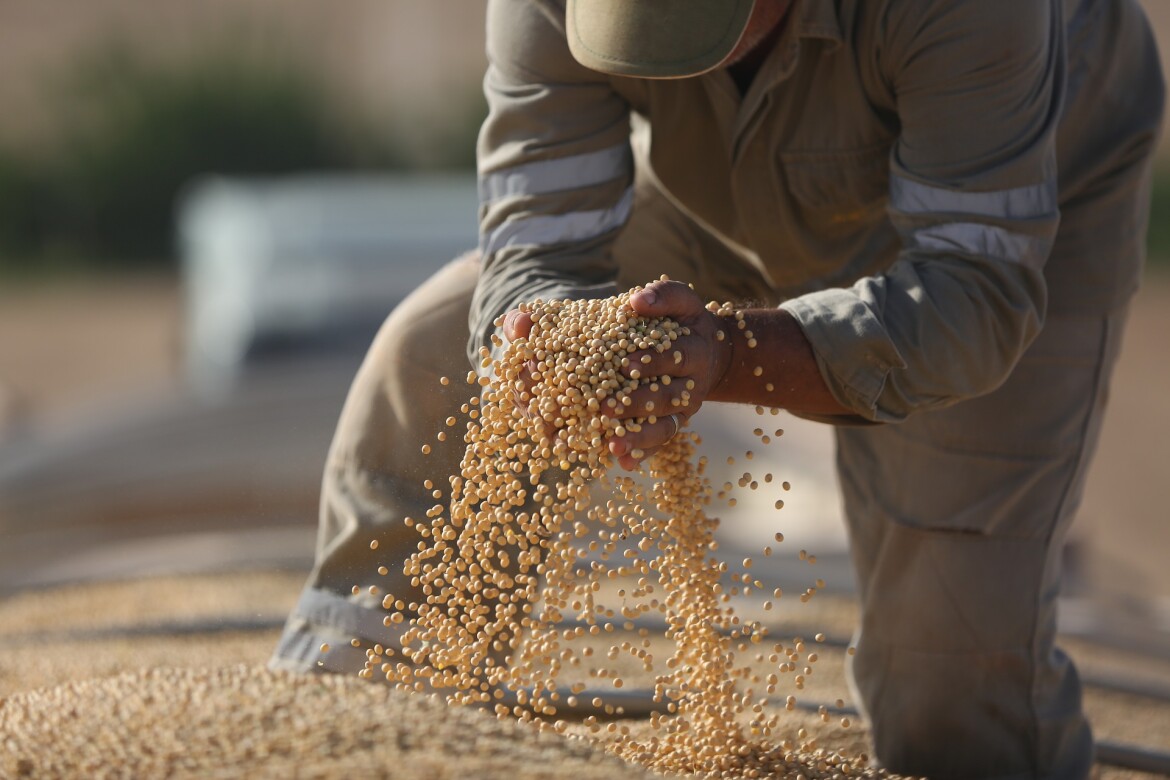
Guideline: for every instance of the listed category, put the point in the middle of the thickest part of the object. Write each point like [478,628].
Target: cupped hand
[518,324]
[674,382]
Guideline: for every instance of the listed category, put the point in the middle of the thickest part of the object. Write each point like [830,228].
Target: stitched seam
[1106,329]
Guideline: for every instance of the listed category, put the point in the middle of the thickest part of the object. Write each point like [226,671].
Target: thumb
[665,299]
[516,324]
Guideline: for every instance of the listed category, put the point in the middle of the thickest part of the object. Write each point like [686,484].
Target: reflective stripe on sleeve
[1030,202]
[972,238]
[565,173]
[546,230]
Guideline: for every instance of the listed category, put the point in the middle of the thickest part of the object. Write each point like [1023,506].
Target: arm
[977,89]
[554,164]
[767,362]
[973,195]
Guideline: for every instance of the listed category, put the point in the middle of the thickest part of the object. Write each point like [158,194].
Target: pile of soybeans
[516,553]
[247,722]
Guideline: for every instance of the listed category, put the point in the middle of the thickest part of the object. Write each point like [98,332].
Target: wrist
[724,337]
[766,360]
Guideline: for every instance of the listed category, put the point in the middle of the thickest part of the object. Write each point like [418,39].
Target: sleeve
[977,89]
[555,168]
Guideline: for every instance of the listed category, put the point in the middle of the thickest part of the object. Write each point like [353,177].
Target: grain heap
[249,722]
[522,511]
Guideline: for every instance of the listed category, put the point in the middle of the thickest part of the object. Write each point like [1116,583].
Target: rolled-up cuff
[322,617]
[853,349]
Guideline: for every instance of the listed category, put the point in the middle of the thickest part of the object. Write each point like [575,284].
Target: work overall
[973,337]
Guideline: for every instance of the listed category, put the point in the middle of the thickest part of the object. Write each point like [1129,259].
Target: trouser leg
[957,518]
[375,471]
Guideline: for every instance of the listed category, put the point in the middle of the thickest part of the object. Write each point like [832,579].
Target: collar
[811,19]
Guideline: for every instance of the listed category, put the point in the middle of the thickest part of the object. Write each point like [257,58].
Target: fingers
[655,399]
[665,392]
[666,299]
[635,446]
[685,357]
[666,381]
[517,324]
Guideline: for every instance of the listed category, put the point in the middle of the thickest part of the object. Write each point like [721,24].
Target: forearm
[771,363]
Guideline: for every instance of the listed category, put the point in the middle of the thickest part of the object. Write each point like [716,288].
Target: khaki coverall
[951,197]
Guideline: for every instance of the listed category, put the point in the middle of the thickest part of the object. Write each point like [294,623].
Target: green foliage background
[1159,235]
[133,135]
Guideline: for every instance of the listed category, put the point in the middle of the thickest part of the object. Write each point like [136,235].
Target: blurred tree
[139,133]
[134,133]
[1159,237]
[21,201]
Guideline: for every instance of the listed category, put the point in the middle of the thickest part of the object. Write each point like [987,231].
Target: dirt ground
[69,347]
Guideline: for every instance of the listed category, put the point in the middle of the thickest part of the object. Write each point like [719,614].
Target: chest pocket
[838,187]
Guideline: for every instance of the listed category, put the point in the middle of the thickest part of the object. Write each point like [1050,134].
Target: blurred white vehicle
[310,264]
[286,281]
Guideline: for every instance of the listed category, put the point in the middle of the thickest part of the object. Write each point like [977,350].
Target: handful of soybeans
[517,563]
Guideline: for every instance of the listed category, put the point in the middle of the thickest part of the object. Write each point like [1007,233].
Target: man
[934,212]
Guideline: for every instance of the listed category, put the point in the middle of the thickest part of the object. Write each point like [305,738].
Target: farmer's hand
[518,324]
[683,375]
[767,362]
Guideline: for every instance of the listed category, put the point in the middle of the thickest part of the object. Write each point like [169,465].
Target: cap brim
[655,38]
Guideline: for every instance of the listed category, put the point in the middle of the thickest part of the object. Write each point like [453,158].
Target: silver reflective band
[328,609]
[566,173]
[970,238]
[558,228]
[300,651]
[1036,200]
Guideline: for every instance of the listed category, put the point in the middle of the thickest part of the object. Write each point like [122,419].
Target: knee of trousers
[362,544]
[954,664]
[958,561]
[957,518]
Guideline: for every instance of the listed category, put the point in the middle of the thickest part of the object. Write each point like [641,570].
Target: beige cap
[655,38]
